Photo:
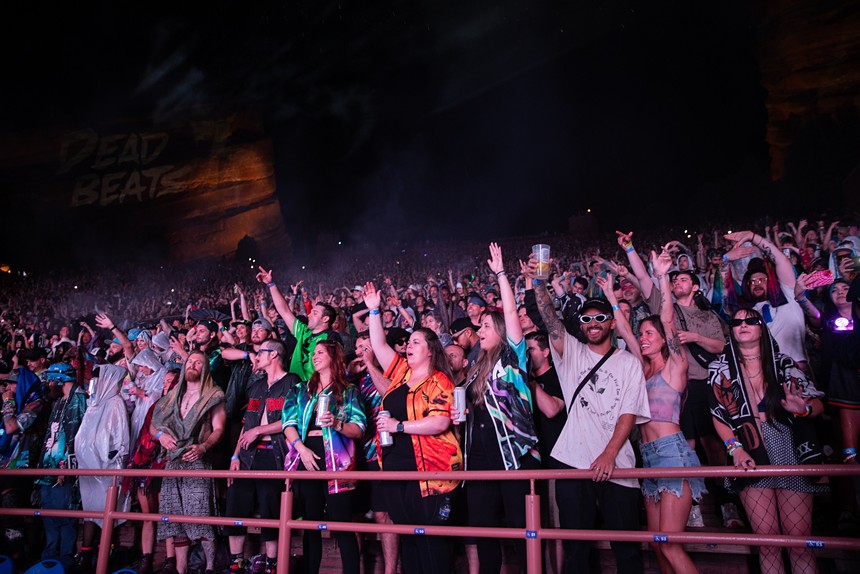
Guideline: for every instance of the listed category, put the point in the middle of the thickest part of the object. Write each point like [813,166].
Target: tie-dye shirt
[300,408]
[508,401]
[434,396]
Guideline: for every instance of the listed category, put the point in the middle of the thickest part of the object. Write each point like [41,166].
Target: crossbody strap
[588,377]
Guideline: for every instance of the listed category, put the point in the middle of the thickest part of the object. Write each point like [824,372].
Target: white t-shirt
[788,326]
[618,388]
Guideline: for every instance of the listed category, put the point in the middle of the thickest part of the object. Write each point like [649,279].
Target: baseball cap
[461,324]
[209,324]
[358,288]
[262,324]
[61,373]
[693,277]
[477,300]
[601,305]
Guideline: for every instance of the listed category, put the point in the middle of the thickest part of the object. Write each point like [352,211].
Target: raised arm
[105,322]
[625,240]
[243,303]
[509,302]
[784,269]
[677,363]
[281,304]
[622,325]
[554,327]
[381,349]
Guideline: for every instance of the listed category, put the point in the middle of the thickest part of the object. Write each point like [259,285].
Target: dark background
[413,120]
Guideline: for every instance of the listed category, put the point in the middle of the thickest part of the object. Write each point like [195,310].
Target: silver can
[385,438]
[460,403]
[322,406]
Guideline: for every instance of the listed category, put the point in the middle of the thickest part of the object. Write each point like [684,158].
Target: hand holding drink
[541,255]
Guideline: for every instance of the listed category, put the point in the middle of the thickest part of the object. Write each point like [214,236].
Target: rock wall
[197,189]
[809,57]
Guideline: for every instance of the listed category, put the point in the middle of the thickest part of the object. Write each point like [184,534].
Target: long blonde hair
[479,374]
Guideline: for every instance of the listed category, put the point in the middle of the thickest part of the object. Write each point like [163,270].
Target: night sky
[427,119]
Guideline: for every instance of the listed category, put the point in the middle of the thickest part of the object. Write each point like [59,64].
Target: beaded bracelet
[732,445]
[500,273]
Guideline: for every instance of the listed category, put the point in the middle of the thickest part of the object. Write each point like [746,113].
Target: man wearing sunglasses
[604,396]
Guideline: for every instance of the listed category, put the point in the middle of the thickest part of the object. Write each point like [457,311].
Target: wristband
[234,457]
[849,454]
[112,328]
[223,329]
[806,412]
[500,273]
[270,285]
[158,435]
[629,248]
[732,445]
[725,259]
[293,443]
[246,356]
[802,300]
[537,282]
[374,311]
[616,308]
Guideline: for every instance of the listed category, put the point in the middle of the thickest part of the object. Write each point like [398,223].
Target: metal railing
[533,532]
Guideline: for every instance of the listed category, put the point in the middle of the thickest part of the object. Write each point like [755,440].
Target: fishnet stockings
[780,511]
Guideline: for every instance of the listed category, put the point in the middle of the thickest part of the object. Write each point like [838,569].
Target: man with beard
[188,422]
[604,396]
[261,446]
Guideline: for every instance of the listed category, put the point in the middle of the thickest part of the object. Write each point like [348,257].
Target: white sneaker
[731,516]
[695,518]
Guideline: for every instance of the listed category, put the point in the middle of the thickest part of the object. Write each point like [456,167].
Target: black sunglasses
[600,318]
[751,321]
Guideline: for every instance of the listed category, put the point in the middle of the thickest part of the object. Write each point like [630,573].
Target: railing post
[533,543]
[107,530]
[284,532]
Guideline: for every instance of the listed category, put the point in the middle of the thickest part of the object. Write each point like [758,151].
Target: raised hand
[495,261]
[739,237]
[624,239]
[104,322]
[264,276]
[371,296]
[661,263]
[606,286]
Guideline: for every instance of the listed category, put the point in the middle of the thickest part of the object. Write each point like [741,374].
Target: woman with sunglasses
[759,402]
[500,428]
[329,436]
[664,360]
[418,395]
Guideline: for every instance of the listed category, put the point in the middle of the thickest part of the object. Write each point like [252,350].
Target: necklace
[752,375]
[752,358]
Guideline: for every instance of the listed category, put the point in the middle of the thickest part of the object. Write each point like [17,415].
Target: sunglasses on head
[600,318]
[751,321]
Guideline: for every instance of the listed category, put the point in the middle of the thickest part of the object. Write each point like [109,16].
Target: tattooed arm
[675,372]
[554,327]
[784,269]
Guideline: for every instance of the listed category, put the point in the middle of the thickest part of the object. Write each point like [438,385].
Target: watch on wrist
[400,427]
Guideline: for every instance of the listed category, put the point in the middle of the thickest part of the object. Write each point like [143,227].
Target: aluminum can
[322,406]
[460,403]
[385,438]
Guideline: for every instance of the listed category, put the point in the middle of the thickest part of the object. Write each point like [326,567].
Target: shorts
[667,452]
[696,420]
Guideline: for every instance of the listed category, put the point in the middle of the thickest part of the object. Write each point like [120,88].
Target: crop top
[663,400]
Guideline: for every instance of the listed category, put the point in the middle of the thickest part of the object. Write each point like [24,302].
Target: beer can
[385,438]
[460,403]
[322,406]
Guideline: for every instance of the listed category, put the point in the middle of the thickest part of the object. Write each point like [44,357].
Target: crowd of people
[636,349]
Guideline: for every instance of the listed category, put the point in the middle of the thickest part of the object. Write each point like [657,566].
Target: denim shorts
[666,452]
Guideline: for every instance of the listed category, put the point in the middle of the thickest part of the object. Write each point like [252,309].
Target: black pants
[578,502]
[313,497]
[420,554]
[247,497]
[486,501]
